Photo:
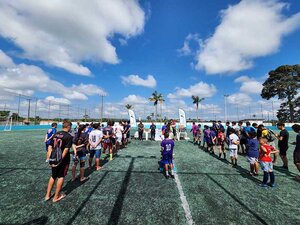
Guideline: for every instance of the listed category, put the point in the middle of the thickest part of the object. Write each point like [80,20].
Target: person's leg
[220,151]
[74,171]
[59,184]
[110,153]
[256,168]
[284,158]
[92,153]
[98,155]
[272,178]
[235,157]
[251,168]
[167,169]
[275,158]
[49,189]
[265,178]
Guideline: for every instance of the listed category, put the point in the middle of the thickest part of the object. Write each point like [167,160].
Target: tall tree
[155,98]
[197,100]
[128,106]
[283,82]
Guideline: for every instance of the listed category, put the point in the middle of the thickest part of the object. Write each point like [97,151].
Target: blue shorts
[266,166]
[167,159]
[96,152]
[47,146]
[81,155]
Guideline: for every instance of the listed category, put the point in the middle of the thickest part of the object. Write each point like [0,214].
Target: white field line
[184,202]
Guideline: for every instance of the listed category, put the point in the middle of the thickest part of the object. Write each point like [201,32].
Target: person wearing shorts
[79,146]
[283,140]
[118,131]
[167,147]
[59,171]
[95,139]
[107,139]
[233,146]
[221,142]
[253,153]
[265,162]
[49,135]
[194,132]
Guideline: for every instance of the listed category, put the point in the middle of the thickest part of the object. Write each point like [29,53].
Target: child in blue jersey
[49,135]
[253,153]
[167,147]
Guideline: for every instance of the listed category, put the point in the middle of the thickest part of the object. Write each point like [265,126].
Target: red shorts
[107,146]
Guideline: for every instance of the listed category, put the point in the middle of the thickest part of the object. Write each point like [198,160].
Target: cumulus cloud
[186,49]
[239,99]
[200,89]
[134,99]
[149,82]
[58,100]
[26,79]
[249,29]
[66,33]
[249,85]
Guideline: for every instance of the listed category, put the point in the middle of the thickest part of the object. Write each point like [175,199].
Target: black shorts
[296,157]
[282,151]
[128,135]
[60,171]
[243,141]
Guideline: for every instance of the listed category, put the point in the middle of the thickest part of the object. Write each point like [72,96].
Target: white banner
[132,118]
[182,119]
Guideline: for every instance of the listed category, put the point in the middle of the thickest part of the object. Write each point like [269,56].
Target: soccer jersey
[195,128]
[50,132]
[118,129]
[152,128]
[233,138]
[283,144]
[94,137]
[252,146]
[168,146]
[265,156]
[63,140]
[108,131]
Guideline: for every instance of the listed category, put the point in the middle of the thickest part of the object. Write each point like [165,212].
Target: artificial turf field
[130,189]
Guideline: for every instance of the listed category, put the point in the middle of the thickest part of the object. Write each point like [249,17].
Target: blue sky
[128,49]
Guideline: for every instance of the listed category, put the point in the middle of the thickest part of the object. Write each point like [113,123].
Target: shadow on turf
[39,221]
[238,201]
[243,172]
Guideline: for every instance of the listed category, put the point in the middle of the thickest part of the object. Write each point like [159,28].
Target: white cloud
[249,29]
[186,49]
[5,60]
[150,82]
[240,99]
[66,33]
[58,100]
[123,42]
[200,89]
[26,79]
[134,99]
[249,85]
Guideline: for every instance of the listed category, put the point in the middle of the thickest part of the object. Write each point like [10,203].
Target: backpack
[56,154]
[220,137]
[269,137]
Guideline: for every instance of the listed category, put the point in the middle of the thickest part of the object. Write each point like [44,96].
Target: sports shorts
[282,151]
[107,145]
[252,160]
[233,152]
[96,152]
[60,171]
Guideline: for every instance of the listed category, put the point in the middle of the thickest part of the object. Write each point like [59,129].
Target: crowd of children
[255,141]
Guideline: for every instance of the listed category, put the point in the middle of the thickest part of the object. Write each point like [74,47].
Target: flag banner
[182,119]
[132,118]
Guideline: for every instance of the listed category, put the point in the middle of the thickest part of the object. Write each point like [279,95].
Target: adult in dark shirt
[296,128]
[80,146]
[59,171]
[283,143]
[152,129]
[141,130]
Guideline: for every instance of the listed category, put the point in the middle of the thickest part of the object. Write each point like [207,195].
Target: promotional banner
[182,119]
[132,118]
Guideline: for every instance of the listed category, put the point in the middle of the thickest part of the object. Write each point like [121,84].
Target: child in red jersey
[265,161]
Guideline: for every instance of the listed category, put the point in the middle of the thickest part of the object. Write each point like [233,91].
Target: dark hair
[166,134]
[233,122]
[252,134]
[199,125]
[53,124]
[222,130]
[296,128]
[231,130]
[240,122]
[280,124]
[228,122]
[248,123]
[219,121]
[66,123]
[96,125]
[254,124]
[80,129]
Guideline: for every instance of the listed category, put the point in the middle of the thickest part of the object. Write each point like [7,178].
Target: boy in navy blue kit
[167,147]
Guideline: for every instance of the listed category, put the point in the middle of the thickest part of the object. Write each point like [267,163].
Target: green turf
[130,189]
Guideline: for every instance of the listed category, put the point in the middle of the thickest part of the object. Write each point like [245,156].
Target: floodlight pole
[225,106]
[19,108]
[28,115]
[102,96]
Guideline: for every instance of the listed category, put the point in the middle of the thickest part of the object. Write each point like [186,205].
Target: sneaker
[272,185]
[263,185]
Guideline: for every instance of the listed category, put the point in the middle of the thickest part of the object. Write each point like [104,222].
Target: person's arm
[46,138]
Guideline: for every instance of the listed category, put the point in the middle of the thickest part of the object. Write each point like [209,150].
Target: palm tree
[155,98]
[129,106]
[197,100]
